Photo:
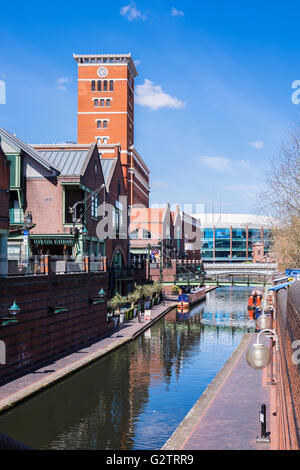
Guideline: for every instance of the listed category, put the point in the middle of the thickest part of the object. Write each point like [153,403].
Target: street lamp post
[149,248]
[259,356]
[160,261]
[27,226]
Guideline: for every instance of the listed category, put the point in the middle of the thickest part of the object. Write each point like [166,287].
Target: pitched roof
[108,168]
[19,145]
[69,162]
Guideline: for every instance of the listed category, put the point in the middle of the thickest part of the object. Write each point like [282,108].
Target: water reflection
[135,397]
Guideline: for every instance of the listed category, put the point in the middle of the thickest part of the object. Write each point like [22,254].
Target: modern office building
[231,237]
[106,114]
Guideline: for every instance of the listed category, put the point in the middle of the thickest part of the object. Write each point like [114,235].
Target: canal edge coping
[186,427]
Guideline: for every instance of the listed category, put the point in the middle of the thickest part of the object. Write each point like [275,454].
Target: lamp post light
[14,309]
[84,234]
[27,226]
[258,355]
[264,321]
[101,293]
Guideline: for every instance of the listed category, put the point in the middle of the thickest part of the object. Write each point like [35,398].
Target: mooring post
[264,437]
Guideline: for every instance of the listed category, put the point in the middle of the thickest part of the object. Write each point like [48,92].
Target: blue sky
[214,85]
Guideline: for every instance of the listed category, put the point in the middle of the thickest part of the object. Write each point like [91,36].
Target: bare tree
[281,200]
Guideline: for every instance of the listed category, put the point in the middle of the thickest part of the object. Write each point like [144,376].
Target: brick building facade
[156,232]
[106,115]
[4,210]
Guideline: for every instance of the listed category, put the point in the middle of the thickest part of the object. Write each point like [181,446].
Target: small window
[104,124]
[102,102]
[107,102]
[99,141]
[146,234]
[94,207]
[93,85]
[105,85]
[99,85]
[134,234]
[99,124]
[105,140]
[111,85]
[95,102]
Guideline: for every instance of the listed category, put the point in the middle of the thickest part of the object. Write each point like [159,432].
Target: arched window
[134,234]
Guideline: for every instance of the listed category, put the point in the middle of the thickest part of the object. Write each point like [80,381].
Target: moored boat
[254,299]
[195,295]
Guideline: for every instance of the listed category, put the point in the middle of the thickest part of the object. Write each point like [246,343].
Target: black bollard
[264,437]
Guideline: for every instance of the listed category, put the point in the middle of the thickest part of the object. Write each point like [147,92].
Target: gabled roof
[108,168]
[69,161]
[19,145]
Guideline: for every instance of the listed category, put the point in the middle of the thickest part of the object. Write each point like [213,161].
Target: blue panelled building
[231,237]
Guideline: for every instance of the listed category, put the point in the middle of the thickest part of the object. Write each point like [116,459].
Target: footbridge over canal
[241,274]
[195,272]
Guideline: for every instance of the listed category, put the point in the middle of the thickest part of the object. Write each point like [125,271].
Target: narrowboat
[254,299]
[195,295]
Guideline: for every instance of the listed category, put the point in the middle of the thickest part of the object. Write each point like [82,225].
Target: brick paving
[22,387]
[226,417]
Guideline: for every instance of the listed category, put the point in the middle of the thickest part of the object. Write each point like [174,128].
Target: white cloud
[222,164]
[131,12]
[176,12]
[154,97]
[60,83]
[258,144]
[245,165]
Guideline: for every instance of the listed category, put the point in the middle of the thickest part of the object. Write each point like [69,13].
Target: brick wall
[4,185]
[39,335]
[288,386]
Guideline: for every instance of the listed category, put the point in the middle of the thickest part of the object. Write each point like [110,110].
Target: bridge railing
[248,279]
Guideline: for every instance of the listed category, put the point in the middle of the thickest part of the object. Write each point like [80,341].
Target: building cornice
[107,59]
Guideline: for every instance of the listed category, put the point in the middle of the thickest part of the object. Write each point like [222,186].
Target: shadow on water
[135,397]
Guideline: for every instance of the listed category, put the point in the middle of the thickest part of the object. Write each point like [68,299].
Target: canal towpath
[226,416]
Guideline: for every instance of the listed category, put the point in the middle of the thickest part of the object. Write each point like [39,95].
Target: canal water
[135,397]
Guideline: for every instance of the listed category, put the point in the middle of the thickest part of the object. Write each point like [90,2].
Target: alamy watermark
[296,95]
[114,222]
[2,92]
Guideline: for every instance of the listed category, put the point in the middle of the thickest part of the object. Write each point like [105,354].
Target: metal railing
[46,264]
[16,216]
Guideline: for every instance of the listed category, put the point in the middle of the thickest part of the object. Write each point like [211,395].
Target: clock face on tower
[102,72]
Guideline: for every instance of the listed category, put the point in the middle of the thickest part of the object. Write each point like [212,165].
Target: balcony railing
[45,264]
[16,216]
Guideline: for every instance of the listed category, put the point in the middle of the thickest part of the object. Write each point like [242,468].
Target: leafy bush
[175,289]
[117,302]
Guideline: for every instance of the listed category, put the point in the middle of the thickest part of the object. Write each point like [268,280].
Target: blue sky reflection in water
[135,397]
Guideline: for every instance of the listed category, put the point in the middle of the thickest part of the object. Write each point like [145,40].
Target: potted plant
[157,288]
[147,294]
[115,305]
[134,299]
